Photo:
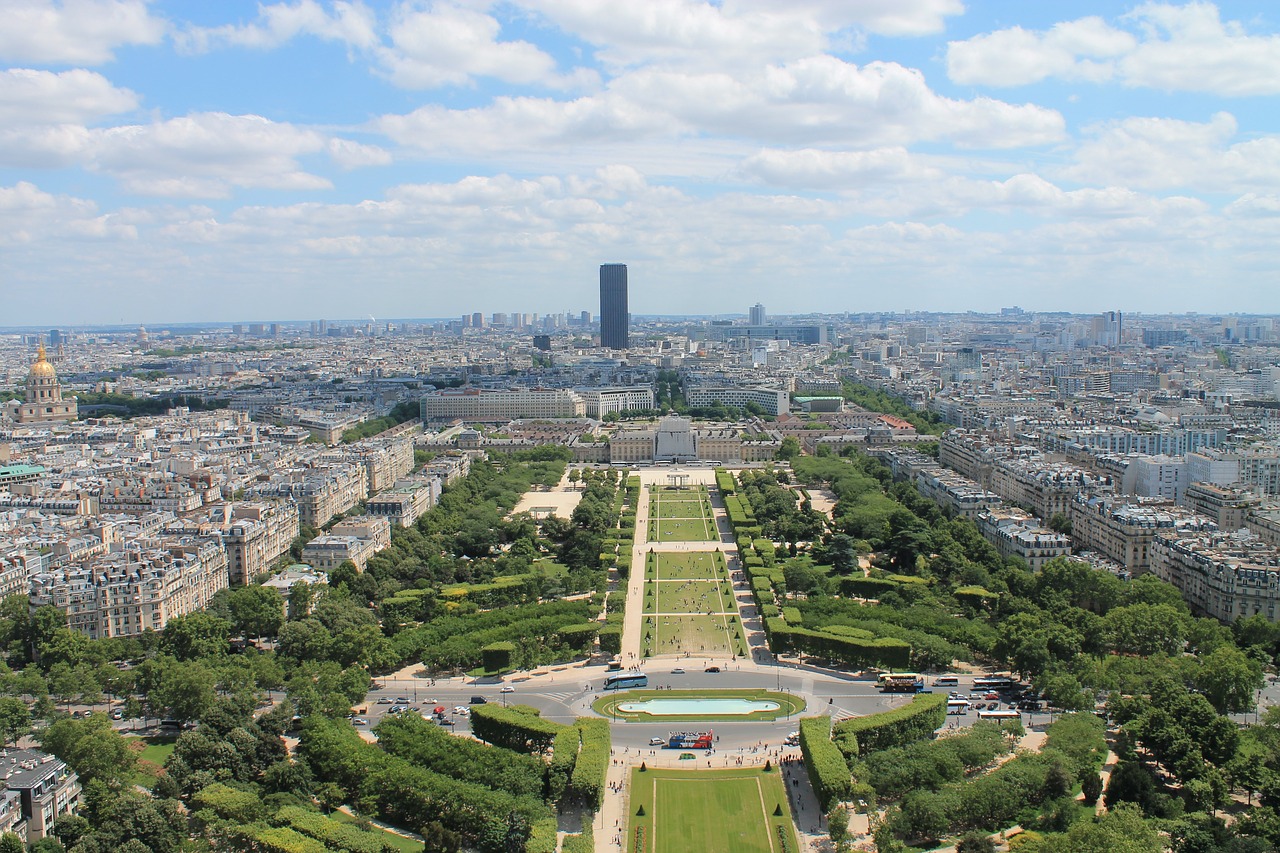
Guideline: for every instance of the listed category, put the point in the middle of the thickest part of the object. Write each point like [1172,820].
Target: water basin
[698,707]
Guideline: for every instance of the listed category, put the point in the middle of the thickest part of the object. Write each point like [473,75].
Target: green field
[695,565]
[710,811]
[695,635]
[694,597]
[683,530]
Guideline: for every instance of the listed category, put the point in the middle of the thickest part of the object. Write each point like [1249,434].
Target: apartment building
[355,539]
[320,492]
[1223,575]
[406,500]
[142,587]
[606,401]
[1122,529]
[256,535]
[1226,506]
[1014,533]
[39,788]
[501,405]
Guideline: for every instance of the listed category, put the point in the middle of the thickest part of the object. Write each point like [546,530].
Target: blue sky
[185,160]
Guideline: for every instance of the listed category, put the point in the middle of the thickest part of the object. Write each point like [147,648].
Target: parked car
[385,700]
[359,721]
[991,706]
[461,709]
[117,714]
[445,721]
[402,700]
[991,695]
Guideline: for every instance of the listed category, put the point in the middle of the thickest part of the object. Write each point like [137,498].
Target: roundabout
[652,706]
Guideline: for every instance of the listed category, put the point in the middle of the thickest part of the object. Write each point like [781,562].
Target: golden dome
[42,369]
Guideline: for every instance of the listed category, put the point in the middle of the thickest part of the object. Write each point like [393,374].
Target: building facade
[615,321]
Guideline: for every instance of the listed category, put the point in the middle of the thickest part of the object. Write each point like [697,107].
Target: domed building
[44,395]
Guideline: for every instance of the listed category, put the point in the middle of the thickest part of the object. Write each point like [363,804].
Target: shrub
[899,727]
[827,769]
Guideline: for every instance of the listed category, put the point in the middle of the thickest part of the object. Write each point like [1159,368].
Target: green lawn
[697,635]
[687,565]
[150,759]
[693,597]
[710,811]
[683,530]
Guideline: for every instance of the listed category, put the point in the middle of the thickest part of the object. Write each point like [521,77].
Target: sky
[188,160]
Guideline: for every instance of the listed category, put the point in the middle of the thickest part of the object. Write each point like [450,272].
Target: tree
[186,690]
[838,826]
[1060,523]
[789,449]
[195,635]
[15,719]
[90,747]
[256,611]
[1122,830]
[301,596]
[1228,678]
[12,843]
[975,841]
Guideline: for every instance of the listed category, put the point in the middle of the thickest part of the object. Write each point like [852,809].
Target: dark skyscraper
[614,318]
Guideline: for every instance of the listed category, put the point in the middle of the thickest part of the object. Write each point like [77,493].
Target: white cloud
[1083,49]
[28,215]
[1190,49]
[30,97]
[815,169]
[353,155]
[1185,48]
[74,31]
[1160,153]
[1253,205]
[698,33]
[448,44]
[349,22]
[206,154]
[820,100]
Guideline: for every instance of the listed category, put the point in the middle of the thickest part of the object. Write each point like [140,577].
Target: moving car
[657,741]
[385,700]
[479,700]
[712,669]
[507,688]
[359,721]
[678,671]
[117,714]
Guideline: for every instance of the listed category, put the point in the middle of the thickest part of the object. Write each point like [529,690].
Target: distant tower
[614,318]
[758,317]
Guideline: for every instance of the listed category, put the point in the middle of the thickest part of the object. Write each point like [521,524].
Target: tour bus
[625,680]
[900,682]
[957,706]
[994,682]
[1009,714]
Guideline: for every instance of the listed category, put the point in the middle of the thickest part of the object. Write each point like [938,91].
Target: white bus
[946,681]
[957,706]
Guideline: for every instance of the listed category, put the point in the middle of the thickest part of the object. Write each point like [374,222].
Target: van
[946,681]
[479,700]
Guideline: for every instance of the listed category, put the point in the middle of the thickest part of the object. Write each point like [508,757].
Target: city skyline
[425,159]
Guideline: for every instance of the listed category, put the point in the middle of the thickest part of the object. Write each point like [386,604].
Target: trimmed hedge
[587,783]
[427,745]
[611,639]
[860,587]
[542,837]
[335,835]
[825,763]
[899,727]
[564,755]
[883,652]
[496,657]
[518,727]
[584,843]
[792,615]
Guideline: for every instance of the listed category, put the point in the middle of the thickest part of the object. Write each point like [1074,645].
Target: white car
[461,710]
[507,688]
[657,741]
[678,671]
